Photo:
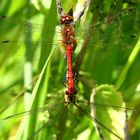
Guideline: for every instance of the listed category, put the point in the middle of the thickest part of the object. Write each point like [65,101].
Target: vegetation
[33,67]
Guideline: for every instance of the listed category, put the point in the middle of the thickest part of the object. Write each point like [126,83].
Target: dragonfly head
[66,19]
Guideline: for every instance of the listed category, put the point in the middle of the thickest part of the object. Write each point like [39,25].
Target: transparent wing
[48,115]
[30,34]
[102,36]
[109,113]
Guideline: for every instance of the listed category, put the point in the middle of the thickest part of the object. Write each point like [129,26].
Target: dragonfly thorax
[69,36]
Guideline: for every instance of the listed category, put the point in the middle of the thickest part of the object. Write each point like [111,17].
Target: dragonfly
[80,108]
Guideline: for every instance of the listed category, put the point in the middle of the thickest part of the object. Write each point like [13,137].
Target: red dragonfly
[55,114]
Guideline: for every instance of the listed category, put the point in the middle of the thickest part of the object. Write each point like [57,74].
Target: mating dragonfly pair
[105,90]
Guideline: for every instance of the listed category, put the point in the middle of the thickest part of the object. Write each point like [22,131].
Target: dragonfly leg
[64,83]
[75,79]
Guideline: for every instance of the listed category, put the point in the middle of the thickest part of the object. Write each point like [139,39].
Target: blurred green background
[31,61]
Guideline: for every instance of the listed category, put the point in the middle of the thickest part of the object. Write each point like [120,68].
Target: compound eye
[67,18]
[63,19]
